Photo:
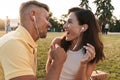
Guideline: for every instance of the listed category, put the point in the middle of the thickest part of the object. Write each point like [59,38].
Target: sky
[58,7]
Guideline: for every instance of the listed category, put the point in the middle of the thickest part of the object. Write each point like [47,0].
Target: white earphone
[36,27]
[77,41]
[34,18]
[83,28]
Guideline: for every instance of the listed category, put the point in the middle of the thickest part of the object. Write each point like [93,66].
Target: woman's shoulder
[56,40]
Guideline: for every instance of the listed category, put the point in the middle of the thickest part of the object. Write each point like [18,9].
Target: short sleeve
[15,59]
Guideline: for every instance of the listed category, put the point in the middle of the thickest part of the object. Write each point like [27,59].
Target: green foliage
[104,10]
[85,4]
[63,19]
[56,24]
[115,26]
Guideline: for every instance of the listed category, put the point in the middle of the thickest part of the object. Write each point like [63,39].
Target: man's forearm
[81,75]
[54,71]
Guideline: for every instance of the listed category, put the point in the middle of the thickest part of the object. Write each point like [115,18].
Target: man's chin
[43,36]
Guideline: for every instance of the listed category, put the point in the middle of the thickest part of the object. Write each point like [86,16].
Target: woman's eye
[69,21]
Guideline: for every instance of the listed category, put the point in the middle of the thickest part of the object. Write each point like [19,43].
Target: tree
[62,20]
[115,26]
[85,4]
[104,10]
[55,24]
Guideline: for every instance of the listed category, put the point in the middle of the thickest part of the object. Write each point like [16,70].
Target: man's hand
[58,57]
[58,54]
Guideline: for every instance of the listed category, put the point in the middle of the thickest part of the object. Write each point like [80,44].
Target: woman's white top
[71,65]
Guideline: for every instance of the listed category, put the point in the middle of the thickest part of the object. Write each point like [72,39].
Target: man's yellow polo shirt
[17,54]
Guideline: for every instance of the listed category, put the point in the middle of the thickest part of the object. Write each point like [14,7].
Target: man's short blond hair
[24,7]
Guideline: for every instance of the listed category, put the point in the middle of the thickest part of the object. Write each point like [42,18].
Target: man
[18,48]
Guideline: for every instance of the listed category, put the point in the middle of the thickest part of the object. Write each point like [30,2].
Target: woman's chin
[68,39]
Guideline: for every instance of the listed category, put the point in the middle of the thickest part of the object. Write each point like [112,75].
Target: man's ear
[32,13]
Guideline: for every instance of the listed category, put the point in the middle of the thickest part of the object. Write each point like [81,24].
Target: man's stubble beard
[43,34]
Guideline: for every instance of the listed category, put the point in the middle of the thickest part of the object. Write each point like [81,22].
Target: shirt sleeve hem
[19,73]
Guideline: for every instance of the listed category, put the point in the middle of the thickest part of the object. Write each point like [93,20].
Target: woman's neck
[75,44]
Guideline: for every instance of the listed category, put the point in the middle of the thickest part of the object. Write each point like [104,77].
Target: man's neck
[31,31]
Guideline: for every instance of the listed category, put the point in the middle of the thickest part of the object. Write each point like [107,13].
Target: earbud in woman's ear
[83,28]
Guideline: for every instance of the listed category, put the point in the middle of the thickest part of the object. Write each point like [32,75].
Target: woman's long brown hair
[91,35]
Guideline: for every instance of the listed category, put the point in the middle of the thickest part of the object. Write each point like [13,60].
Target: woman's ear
[84,27]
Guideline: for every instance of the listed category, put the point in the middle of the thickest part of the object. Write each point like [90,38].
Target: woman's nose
[65,26]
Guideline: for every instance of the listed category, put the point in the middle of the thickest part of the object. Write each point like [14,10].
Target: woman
[82,45]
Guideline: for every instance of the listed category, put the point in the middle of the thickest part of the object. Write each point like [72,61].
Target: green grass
[43,47]
[110,65]
[112,52]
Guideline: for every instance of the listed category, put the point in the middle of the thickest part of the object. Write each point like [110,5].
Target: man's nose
[49,25]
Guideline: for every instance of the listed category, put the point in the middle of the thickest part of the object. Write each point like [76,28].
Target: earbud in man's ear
[34,18]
